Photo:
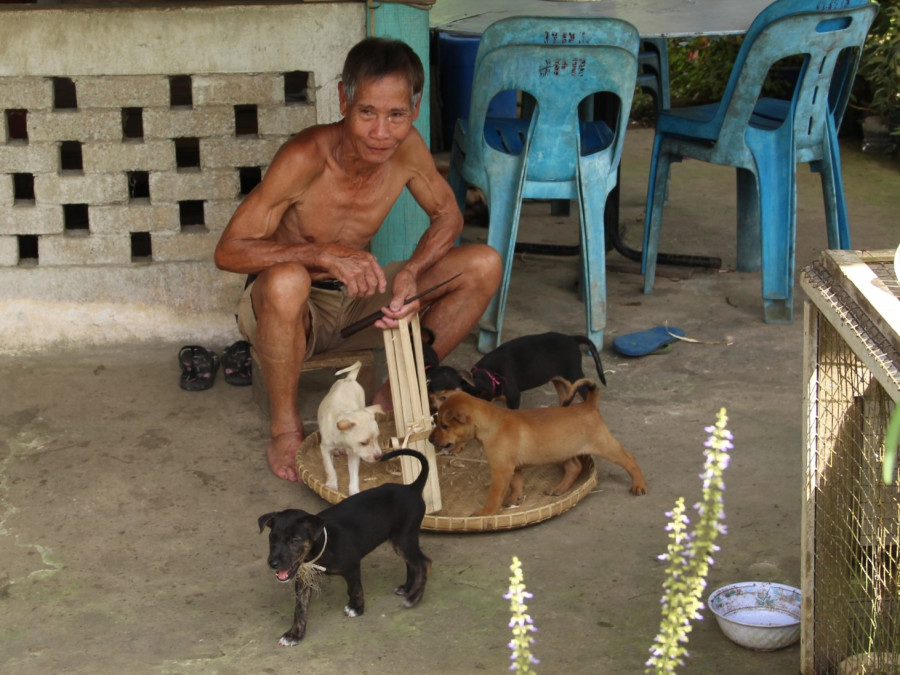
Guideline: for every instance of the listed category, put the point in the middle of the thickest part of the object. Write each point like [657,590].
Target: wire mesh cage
[851,519]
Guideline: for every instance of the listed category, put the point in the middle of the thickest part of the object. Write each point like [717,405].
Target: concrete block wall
[113,196]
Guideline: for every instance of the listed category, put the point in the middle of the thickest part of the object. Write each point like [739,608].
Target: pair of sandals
[199,366]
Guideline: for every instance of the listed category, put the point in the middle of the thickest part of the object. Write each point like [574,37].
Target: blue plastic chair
[553,154]
[653,73]
[765,138]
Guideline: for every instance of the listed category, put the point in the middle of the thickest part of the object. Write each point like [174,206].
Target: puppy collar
[495,380]
[312,563]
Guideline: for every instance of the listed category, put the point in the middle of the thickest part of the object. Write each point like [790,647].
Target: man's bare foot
[282,454]
[383,397]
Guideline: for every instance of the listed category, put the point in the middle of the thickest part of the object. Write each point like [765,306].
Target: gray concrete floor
[128,507]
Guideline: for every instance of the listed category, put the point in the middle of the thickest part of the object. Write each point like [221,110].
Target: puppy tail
[351,371]
[585,387]
[592,350]
[419,482]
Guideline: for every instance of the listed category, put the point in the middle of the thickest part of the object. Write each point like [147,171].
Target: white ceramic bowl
[758,615]
[897,264]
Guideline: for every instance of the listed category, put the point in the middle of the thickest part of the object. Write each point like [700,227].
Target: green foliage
[880,63]
[699,69]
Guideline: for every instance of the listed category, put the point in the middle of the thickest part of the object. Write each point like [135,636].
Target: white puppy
[347,425]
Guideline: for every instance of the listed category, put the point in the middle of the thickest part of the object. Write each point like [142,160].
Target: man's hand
[359,271]
[404,286]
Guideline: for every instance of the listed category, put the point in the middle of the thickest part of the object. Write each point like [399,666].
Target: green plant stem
[689,555]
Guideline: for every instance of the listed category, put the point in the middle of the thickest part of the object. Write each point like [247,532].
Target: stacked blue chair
[653,73]
[552,154]
[765,138]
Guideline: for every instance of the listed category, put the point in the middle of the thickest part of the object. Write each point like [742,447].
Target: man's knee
[283,288]
[486,265]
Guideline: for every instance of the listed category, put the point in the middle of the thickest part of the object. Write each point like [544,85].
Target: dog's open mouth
[288,574]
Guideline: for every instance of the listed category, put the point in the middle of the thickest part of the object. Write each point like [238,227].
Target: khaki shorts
[329,312]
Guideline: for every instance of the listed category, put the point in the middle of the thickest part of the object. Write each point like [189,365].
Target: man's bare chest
[364,200]
[341,211]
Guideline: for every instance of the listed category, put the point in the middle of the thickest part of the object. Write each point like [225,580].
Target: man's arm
[248,244]
[252,243]
[434,194]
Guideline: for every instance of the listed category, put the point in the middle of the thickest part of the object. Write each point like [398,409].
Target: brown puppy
[513,439]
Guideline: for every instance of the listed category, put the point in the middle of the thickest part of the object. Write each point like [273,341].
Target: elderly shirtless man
[304,229]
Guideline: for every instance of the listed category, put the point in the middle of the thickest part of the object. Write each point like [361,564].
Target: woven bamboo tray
[464,480]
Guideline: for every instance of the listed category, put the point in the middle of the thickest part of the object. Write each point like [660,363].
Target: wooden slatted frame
[412,415]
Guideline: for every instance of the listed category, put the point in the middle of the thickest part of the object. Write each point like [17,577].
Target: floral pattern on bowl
[758,615]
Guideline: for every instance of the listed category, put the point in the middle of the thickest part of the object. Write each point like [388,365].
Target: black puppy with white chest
[528,362]
[336,540]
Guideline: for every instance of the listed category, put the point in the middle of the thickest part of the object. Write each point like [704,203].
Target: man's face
[380,117]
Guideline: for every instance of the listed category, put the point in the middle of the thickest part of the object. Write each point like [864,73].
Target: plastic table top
[652,18]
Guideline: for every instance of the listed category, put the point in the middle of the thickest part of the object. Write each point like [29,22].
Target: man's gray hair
[374,58]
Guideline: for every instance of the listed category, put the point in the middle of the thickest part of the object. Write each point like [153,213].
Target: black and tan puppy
[441,380]
[438,379]
[336,540]
[513,439]
[528,362]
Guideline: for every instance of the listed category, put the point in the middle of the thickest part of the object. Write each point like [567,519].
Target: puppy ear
[375,408]
[458,415]
[314,525]
[265,520]
[345,425]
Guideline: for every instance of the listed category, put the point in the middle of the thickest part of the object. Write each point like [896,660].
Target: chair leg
[458,184]
[504,207]
[593,256]
[657,187]
[488,340]
[778,209]
[662,49]
[749,254]
[836,219]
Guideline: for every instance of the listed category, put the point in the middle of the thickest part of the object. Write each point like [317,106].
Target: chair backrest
[539,30]
[558,75]
[828,33]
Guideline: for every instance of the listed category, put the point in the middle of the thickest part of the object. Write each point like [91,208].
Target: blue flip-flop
[646,341]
